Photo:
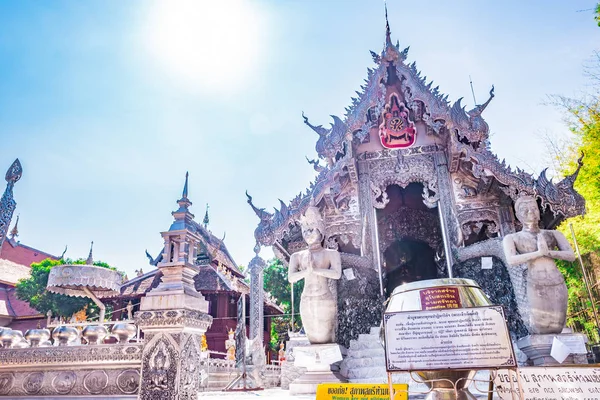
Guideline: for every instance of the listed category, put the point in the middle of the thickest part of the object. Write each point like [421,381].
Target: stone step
[368,337]
[366,372]
[366,353]
[350,363]
[375,330]
[360,345]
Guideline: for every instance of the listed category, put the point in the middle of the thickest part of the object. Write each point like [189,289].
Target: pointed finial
[388,32]
[185,187]
[15,230]
[14,173]
[206,219]
[90,259]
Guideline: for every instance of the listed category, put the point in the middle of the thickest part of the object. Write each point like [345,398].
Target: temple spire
[185,186]
[388,32]
[15,230]
[206,219]
[184,202]
[90,259]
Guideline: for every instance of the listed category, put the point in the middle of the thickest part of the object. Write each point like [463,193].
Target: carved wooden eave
[329,190]
[560,199]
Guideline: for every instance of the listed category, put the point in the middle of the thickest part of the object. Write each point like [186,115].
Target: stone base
[317,359]
[537,347]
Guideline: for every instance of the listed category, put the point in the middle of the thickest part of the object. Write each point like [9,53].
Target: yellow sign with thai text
[360,391]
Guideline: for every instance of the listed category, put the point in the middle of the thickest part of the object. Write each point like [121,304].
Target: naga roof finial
[260,212]
[480,107]
[7,202]
[319,128]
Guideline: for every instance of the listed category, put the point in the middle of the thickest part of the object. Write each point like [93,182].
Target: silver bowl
[10,338]
[124,332]
[94,334]
[2,329]
[65,335]
[407,297]
[37,336]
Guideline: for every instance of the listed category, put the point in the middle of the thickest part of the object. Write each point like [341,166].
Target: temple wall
[102,371]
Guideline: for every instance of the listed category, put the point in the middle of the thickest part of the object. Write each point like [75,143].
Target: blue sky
[108,103]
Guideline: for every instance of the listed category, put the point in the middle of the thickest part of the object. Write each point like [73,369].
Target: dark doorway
[409,236]
[408,261]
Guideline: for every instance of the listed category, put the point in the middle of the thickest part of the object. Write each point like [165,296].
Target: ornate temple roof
[465,132]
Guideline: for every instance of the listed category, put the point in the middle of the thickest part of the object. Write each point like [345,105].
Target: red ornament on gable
[397,130]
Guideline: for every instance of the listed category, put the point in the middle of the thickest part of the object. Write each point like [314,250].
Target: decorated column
[7,203]
[173,316]
[257,325]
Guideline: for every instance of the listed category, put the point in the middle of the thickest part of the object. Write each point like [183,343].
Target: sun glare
[211,44]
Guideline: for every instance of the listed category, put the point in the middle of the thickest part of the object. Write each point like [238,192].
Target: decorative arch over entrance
[402,171]
[410,237]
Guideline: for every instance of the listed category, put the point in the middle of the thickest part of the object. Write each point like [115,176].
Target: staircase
[365,363]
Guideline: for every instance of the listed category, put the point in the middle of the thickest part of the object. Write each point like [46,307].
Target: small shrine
[219,279]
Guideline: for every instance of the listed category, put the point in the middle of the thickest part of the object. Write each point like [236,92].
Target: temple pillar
[367,214]
[256,267]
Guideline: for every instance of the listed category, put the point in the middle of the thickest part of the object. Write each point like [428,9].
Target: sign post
[447,339]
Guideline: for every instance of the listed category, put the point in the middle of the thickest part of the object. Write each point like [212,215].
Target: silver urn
[124,332]
[94,334]
[11,338]
[38,336]
[407,297]
[65,335]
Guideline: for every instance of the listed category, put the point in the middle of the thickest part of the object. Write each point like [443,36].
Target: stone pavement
[278,394]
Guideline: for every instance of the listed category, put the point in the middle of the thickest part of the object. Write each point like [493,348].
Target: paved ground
[277,394]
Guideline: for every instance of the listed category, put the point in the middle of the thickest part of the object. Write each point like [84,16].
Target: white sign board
[549,383]
[330,355]
[453,338]
[576,343]
[486,263]
[349,274]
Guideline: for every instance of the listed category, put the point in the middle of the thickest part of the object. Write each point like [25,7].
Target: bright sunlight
[213,45]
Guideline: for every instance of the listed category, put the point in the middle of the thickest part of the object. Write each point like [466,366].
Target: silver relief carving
[128,381]
[64,382]
[95,382]
[160,364]
[33,382]
[7,380]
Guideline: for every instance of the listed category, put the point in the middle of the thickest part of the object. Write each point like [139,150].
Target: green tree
[33,290]
[583,116]
[276,283]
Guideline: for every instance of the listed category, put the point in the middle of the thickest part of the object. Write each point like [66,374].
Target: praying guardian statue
[317,266]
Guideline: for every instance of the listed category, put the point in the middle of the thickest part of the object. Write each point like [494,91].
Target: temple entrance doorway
[410,239]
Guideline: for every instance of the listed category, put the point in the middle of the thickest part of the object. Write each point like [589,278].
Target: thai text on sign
[440,298]
[549,383]
[360,391]
[465,338]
